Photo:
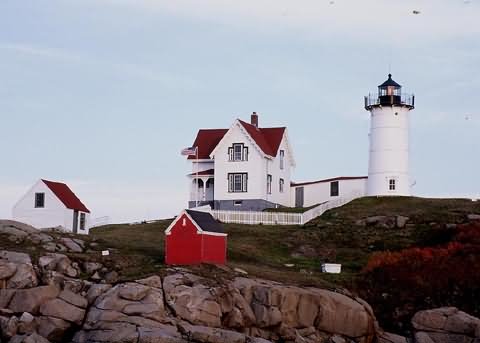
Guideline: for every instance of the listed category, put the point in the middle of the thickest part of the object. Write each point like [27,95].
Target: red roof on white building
[268,139]
[66,196]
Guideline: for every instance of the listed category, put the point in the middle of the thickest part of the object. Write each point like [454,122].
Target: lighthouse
[388,167]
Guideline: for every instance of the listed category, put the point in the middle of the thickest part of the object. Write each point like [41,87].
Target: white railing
[100,221]
[251,217]
[324,207]
[277,218]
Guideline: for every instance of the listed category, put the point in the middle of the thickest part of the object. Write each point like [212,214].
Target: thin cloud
[52,53]
[375,18]
[121,68]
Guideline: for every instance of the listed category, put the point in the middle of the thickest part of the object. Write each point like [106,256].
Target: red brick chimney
[254,119]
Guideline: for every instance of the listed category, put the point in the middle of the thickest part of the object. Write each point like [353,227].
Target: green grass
[264,250]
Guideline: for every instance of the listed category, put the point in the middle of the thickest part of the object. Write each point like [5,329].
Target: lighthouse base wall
[388,184]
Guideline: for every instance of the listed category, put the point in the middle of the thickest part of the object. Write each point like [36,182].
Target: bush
[398,284]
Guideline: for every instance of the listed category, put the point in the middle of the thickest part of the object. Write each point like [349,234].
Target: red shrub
[398,284]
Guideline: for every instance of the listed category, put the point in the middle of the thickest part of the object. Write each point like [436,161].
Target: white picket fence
[251,217]
[276,218]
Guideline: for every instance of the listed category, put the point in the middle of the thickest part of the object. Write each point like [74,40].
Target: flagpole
[196,196]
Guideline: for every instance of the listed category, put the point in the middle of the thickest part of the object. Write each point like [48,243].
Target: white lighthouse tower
[388,172]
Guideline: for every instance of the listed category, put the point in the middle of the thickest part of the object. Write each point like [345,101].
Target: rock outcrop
[46,302]
[446,324]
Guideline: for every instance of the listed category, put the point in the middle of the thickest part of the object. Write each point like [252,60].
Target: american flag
[191,151]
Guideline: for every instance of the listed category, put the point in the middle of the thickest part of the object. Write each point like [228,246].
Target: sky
[103,94]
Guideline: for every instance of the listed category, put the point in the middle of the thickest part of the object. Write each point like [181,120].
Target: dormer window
[238,152]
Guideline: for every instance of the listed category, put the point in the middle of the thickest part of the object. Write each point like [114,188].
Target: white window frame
[281,185]
[282,159]
[83,221]
[332,189]
[237,182]
[392,184]
[36,202]
[238,152]
[269,183]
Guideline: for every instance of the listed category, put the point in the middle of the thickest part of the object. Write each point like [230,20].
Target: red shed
[195,237]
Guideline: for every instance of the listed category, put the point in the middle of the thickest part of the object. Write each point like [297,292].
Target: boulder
[342,315]
[80,242]
[24,277]
[71,245]
[18,225]
[73,299]
[50,246]
[15,257]
[7,269]
[152,281]
[75,285]
[38,238]
[196,304]
[133,291]
[205,334]
[112,332]
[5,296]
[35,338]
[30,300]
[8,326]
[166,334]
[53,329]
[401,221]
[26,324]
[386,337]
[267,316]
[14,232]
[445,324]
[96,290]
[32,338]
[91,267]
[59,263]
[59,308]
[111,277]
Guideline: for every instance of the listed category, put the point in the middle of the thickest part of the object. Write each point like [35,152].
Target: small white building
[306,194]
[51,204]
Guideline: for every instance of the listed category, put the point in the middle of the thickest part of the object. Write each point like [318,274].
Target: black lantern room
[389,94]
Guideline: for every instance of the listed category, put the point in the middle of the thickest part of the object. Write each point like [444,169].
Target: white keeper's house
[50,204]
[249,167]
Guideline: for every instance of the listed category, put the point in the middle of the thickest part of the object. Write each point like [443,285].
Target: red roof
[268,139]
[65,194]
[206,141]
[204,173]
[340,178]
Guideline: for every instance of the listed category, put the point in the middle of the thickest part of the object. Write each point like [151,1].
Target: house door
[75,222]
[299,197]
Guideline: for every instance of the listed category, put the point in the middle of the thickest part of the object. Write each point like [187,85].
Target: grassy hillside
[338,236]
[399,266]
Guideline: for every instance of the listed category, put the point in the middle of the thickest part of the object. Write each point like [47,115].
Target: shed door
[299,197]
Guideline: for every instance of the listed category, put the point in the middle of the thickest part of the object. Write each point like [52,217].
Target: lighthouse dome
[390,83]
